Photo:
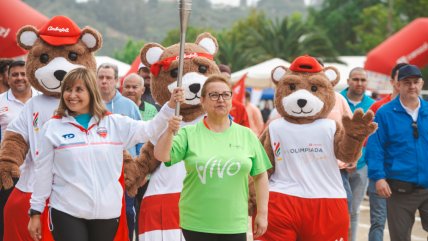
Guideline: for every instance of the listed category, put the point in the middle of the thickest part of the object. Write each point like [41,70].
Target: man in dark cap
[397,155]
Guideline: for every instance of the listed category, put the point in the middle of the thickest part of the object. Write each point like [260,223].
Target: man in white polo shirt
[11,104]
[13,100]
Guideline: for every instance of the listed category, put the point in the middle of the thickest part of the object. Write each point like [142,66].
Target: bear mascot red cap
[307,199]
[58,47]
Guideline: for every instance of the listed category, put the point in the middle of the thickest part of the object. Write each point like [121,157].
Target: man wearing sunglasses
[397,155]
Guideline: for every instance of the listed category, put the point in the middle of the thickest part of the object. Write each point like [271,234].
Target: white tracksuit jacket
[79,169]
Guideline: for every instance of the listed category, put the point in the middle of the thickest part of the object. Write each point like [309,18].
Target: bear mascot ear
[151,53]
[332,74]
[26,37]
[208,42]
[91,38]
[278,73]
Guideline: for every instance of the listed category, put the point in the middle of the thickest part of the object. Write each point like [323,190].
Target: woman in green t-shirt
[218,156]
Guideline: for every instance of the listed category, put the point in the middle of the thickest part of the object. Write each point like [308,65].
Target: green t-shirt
[214,198]
[149,111]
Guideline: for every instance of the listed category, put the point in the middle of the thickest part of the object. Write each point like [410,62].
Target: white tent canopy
[259,75]
[350,62]
[122,67]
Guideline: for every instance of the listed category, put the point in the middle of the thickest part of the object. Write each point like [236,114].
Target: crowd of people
[79,162]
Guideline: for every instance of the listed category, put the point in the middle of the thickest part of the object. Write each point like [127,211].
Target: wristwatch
[33,212]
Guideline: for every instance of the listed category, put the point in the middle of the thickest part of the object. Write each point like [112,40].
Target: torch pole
[184,8]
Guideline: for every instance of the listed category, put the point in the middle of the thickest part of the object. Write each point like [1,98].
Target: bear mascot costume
[307,198]
[159,215]
[56,48]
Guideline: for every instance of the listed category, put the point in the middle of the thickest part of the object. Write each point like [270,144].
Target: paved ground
[418,234]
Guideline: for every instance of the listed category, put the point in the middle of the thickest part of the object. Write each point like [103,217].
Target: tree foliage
[173,36]
[289,38]
[337,18]
[377,24]
[258,38]
[130,51]
[246,35]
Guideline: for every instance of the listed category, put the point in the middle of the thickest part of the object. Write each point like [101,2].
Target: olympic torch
[184,7]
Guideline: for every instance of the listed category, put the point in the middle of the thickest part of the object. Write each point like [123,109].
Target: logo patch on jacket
[4,109]
[68,136]
[36,121]
[102,131]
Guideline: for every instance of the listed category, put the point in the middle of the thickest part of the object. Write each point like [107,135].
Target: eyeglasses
[415,129]
[216,96]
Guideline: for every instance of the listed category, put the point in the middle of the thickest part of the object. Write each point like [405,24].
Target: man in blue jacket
[397,155]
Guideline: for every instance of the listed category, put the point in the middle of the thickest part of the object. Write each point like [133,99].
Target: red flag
[239,89]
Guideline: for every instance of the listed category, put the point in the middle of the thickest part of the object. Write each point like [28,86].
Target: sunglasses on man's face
[415,129]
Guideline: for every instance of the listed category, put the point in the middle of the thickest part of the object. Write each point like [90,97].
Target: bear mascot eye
[314,88]
[292,87]
[72,56]
[44,58]
[202,69]
[174,73]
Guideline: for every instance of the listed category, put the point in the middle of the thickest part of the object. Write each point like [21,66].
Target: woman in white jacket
[79,166]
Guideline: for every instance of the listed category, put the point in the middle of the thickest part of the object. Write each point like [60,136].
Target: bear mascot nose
[194,88]
[59,74]
[301,102]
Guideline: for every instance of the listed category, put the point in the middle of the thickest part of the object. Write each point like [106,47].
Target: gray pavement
[418,233]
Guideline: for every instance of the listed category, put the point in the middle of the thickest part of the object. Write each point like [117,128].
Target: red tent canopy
[13,15]
[409,45]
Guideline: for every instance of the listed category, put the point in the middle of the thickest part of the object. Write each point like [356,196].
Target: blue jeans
[345,180]
[358,181]
[377,213]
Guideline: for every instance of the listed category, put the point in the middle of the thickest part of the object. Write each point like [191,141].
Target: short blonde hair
[97,107]
[212,79]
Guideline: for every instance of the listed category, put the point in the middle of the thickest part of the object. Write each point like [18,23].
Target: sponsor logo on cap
[58,29]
